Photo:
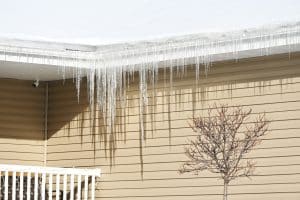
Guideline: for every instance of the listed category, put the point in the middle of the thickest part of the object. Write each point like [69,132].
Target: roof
[27,59]
[99,22]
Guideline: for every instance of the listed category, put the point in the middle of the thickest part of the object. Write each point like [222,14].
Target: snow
[98,22]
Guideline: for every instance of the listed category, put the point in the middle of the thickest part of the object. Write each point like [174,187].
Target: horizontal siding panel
[164,192]
[196,184]
[37,149]
[14,133]
[209,196]
[193,182]
[166,175]
[82,129]
[163,147]
[281,194]
[19,141]
[187,113]
[201,190]
[22,162]
[156,165]
[176,152]
[161,137]
[22,117]
[26,155]
[182,112]
[80,132]
[280,125]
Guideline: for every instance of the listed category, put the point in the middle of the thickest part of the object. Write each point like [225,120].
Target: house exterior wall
[21,122]
[269,84]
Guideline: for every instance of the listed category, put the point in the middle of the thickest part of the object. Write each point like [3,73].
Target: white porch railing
[41,183]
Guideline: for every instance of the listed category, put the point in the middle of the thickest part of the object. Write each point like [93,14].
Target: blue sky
[111,21]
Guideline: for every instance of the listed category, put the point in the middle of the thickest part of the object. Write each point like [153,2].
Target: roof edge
[202,48]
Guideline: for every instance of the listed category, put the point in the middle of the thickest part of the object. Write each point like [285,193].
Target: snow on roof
[98,22]
[195,48]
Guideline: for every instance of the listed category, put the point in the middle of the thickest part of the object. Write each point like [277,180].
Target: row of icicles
[109,69]
[108,80]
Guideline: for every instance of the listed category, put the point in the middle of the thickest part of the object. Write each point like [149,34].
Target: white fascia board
[55,46]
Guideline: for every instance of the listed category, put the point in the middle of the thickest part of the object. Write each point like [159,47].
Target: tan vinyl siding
[21,122]
[270,84]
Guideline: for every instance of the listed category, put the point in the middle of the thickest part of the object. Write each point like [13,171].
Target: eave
[50,57]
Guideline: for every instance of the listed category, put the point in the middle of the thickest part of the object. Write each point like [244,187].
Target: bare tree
[224,137]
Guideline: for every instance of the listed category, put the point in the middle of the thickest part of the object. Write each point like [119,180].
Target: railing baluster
[86,187]
[72,187]
[93,188]
[36,184]
[21,185]
[6,186]
[28,185]
[50,186]
[65,187]
[43,186]
[57,186]
[14,185]
[79,187]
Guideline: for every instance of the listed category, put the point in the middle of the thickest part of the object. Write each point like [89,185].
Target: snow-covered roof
[98,22]
[27,59]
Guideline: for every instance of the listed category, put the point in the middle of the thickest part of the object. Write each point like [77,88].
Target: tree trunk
[225,190]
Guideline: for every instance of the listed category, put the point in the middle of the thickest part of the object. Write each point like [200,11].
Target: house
[124,108]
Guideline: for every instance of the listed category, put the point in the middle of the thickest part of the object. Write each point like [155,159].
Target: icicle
[78,81]
[143,98]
